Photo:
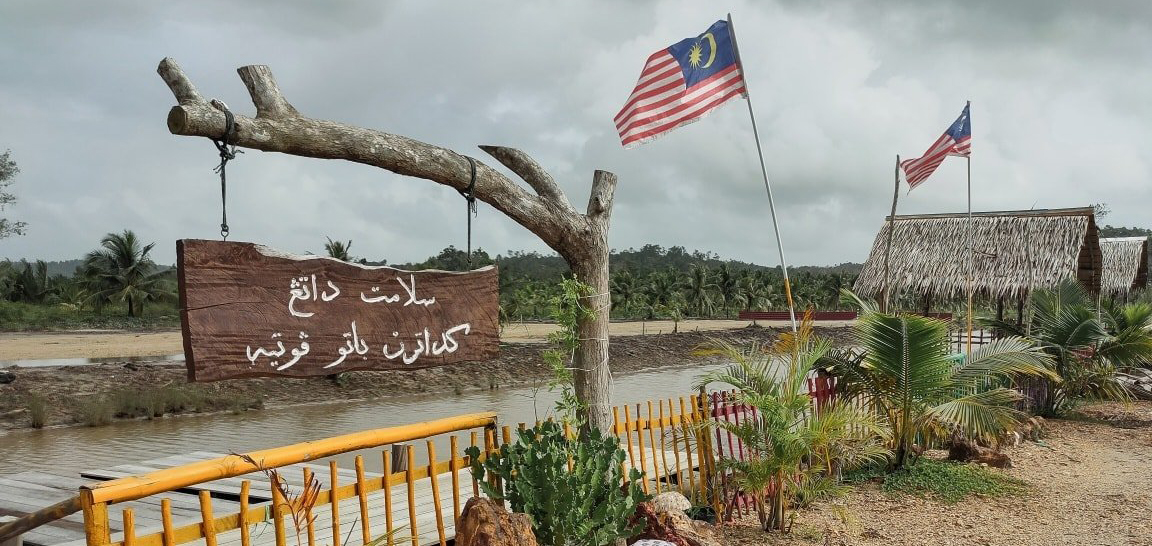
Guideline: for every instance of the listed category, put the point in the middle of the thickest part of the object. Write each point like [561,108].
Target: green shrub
[950,482]
[37,410]
[95,411]
[585,506]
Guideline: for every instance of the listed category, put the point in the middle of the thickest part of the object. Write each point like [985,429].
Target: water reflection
[73,450]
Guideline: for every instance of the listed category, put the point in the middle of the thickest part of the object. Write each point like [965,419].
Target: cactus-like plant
[585,505]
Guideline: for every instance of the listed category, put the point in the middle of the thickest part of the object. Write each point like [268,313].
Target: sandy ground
[1090,484]
[42,345]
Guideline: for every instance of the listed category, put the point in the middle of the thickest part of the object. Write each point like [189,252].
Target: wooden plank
[248,310]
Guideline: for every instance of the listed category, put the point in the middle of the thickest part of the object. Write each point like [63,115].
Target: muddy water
[70,451]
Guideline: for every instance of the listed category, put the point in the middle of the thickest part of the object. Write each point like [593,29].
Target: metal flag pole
[888,247]
[968,109]
[764,172]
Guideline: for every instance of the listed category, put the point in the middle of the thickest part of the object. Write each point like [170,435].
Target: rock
[7,377]
[673,527]
[485,522]
[131,366]
[669,502]
[966,450]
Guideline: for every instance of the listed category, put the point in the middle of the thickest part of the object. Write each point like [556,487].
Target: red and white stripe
[661,103]
[918,170]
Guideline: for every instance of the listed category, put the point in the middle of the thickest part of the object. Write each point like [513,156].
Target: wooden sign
[247,310]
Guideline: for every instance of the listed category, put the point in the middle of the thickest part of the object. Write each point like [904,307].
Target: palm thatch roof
[1015,252]
[1125,264]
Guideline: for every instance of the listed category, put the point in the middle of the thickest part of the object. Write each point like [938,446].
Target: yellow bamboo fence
[418,505]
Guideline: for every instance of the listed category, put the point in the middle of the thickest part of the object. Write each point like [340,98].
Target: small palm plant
[795,453]
[1086,344]
[909,375]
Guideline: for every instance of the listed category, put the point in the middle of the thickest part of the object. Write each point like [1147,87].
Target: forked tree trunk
[580,238]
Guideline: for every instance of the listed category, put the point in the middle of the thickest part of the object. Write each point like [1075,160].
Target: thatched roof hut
[1125,264]
[1015,252]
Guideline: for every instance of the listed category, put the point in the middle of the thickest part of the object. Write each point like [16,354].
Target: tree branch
[182,88]
[528,169]
[298,135]
[265,93]
[600,201]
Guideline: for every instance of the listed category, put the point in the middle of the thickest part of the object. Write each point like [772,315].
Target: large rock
[7,377]
[485,522]
[670,501]
[673,527]
[965,450]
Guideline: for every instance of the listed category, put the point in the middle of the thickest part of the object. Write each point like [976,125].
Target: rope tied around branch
[227,153]
[469,195]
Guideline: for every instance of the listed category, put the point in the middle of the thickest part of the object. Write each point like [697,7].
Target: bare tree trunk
[582,239]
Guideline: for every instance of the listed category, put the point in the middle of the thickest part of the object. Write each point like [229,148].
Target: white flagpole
[764,171]
[968,109]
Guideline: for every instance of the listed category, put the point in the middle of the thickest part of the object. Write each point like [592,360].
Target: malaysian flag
[681,84]
[957,140]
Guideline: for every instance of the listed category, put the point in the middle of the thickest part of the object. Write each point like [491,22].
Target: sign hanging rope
[469,194]
[227,153]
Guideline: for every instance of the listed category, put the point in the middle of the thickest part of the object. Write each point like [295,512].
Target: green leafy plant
[582,505]
[1086,344]
[567,310]
[796,454]
[909,375]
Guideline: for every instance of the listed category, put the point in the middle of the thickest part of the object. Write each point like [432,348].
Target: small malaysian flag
[680,85]
[957,140]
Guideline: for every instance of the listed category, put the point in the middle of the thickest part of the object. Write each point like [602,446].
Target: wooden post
[927,304]
[888,245]
[1000,309]
[581,238]
[399,457]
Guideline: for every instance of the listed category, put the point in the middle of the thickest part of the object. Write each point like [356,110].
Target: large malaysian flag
[681,84]
[957,140]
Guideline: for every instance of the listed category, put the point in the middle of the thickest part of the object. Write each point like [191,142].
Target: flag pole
[967,108]
[891,228]
[764,172]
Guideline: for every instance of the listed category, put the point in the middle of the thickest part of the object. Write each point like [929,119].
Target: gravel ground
[1090,483]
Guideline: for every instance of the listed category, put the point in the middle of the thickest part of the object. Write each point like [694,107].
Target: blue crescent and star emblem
[705,55]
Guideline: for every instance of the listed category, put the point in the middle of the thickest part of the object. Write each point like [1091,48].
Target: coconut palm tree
[795,453]
[699,291]
[909,375]
[122,272]
[339,249]
[627,292]
[728,286]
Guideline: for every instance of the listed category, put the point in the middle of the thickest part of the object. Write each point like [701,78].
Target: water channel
[70,451]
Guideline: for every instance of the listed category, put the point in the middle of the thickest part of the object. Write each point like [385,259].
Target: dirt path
[1091,484]
[42,345]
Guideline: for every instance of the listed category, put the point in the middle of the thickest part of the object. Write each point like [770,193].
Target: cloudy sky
[1060,93]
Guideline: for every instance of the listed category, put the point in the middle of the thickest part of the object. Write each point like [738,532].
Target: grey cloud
[1058,89]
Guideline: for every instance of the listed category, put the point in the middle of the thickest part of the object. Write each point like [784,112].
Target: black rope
[469,194]
[226,154]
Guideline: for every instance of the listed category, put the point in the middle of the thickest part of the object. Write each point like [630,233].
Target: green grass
[22,317]
[946,481]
